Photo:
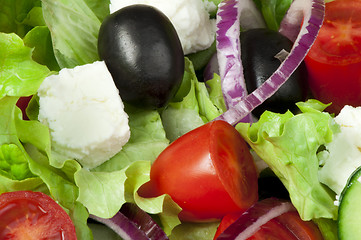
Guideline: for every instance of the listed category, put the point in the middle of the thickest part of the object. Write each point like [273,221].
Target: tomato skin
[33,215]
[226,222]
[304,230]
[273,230]
[209,172]
[288,226]
[334,61]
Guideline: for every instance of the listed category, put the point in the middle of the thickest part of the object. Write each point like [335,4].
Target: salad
[221,146]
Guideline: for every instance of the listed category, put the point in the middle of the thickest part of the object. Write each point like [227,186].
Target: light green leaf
[13,162]
[195,103]
[39,38]
[29,184]
[166,209]
[289,144]
[74,30]
[147,140]
[190,231]
[20,75]
[61,187]
[102,193]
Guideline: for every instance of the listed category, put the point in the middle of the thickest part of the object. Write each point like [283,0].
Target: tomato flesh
[209,172]
[334,61]
[33,215]
[273,230]
[287,226]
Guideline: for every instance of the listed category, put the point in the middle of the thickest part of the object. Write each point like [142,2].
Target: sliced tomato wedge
[33,216]
[334,61]
[209,172]
[285,225]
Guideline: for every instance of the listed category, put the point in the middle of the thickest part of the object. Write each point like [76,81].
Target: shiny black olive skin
[144,55]
[258,49]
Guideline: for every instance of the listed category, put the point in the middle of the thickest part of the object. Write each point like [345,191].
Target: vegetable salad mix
[132,117]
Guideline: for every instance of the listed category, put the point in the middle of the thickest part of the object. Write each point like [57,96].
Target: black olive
[143,53]
[258,50]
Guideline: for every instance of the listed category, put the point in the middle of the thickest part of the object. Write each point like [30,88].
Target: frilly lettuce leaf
[62,188]
[147,140]
[35,171]
[190,231]
[15,173]
[288,144]
[195,103]
[14,56]
[163,206]
[39,38]
[102,193]
[13,163]
[74,27]
[19,16]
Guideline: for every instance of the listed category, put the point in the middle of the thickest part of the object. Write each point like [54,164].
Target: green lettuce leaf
[99,7]
[20,146]
[62,188]
[102,193]
[74,27]
[19,16]
[103,189]
[328,228]
[15,173]
[147,140]
[288,144]
[195,103]
[13,163]
[20,75]
[165,209]
[39,38]
[273,11]
[200,59]
[13,158]
[190,231]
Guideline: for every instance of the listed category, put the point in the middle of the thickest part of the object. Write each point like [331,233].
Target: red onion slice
[132,223]
[312,13]
[228,52]
[256,216]
[230,16]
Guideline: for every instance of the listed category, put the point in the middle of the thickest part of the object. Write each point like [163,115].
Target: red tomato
[209,172]
[226,222]
[33,215]
[334,61]
[288,226]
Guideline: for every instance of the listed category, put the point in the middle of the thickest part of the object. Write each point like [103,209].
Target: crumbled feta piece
[190,18]
[343,155]
[84,113]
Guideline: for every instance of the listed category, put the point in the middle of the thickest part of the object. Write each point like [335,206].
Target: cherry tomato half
[334,61]
[287,226]
[209,172]
[33,215]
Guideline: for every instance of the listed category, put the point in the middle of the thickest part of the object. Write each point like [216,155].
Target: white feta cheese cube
[84,113]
